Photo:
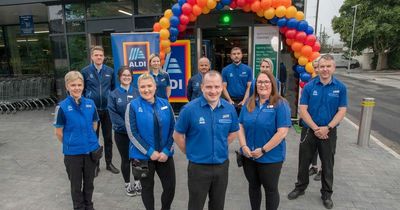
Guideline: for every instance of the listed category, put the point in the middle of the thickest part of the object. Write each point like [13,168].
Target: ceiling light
[124,12]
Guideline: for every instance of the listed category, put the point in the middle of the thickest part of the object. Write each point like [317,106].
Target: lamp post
[352,36]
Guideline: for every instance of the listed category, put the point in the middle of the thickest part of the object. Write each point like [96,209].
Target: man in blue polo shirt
[193,88]
[323,105]
[237,79]
[99,82]
[203,131]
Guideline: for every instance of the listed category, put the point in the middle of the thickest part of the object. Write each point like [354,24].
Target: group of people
[145,130]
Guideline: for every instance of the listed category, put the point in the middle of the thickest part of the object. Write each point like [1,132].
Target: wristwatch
[263,150]
[329,127]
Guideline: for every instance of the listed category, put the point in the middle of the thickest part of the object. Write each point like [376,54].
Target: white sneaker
[130,190]
[138,187]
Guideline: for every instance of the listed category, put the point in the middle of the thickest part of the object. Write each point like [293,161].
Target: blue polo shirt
[194,87]
[260,126]
[207,130]
[117,102]
[79,137]
[323,100]
[237,77]
[162,81]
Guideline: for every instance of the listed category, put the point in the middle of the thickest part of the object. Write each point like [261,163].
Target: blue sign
[26,25]
[133,50]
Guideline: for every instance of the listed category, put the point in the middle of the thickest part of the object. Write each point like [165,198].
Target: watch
[329,128]
[263,150]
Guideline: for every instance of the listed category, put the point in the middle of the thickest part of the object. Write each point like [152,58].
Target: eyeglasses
[126,75]
[263,82]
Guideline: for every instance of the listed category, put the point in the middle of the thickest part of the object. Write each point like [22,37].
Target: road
[386,115]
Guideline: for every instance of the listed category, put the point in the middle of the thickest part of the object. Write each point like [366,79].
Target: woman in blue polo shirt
[75,127]
[150,123]
[160,76]
[264,124]
[117,103]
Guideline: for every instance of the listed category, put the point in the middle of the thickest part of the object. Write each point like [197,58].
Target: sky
[327,10]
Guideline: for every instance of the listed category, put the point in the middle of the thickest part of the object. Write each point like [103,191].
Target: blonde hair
[72,76]
[269,61]
[145,76]
[97,47]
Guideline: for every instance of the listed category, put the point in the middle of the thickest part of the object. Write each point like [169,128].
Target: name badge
[164,107]
[225,121]
[107,75]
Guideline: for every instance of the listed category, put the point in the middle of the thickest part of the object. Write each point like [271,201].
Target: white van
[342,61]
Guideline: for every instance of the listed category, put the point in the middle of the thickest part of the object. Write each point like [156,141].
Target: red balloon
[283,29]
[316,47]
[184,19]
[181,28]
[289,41]
[156,27]
[310,40]
[186,8]
[302,84]
[249,1]
[291,33]
[191,2]
[241,3]
[233,5]
[301,36]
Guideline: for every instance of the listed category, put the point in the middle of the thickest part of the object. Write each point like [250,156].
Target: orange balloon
[256,6]
[314,75]
[306,50]
[296,46]
[280,11]
[276,3]
[164,33]
[165,43]
[247,8]
[167,50]
[162,55]
[156,27]
[260,13]
[192,17]
[299,15]
[164,22]
[269,13]
[296,55]
[162,62]
[201,3]
[168,13]
[314,56]
[302,60]
[286,3]
[291,12]
[196,10]
[211,4]
[310,68]
[265,4]
[289,41]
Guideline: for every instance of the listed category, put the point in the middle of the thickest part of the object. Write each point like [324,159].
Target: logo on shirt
[230,75]
[270,106]
[336,91]
[70,108]
[197,84]
[107,75]
[164,107]
[89,106]
[140,109]
[91,76]
[202,121]
[225,116]
[119,100]
[315,93]
[136,55]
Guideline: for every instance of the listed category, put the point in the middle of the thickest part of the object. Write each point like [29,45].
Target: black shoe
[96,171]
[112,168]
[318,176]
[312,171]
[328,203]
[294,194]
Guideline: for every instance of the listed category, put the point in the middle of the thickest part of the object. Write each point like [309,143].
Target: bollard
[365,121]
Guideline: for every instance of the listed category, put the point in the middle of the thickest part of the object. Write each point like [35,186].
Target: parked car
[342,61]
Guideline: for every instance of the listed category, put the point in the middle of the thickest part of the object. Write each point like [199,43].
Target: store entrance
[218,42]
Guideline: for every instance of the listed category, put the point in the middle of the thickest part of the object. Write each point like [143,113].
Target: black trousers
[106,129]
[267,175]
[238,108]
[207,179]
[326,149]
[314,160]
[122,142]
[80,169]
[166,173]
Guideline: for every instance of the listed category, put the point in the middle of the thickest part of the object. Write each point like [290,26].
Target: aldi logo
[136,55]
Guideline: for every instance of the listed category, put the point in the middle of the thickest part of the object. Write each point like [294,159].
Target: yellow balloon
[168,13]
[291,12]
[211,4]
[167,50]
[269,13]
[165,43]
[302,60]
[297,54]
[260,13]
[280,11]
[164,22]
[299,16]
[314,75]
[309,68]
[205,10]
[164,33]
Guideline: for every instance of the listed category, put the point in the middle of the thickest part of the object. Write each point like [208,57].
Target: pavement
[32,173]
[385,77]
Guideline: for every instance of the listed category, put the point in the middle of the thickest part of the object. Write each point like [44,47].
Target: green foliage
[376,27]
[394,59]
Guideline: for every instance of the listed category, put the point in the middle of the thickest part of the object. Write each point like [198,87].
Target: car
[342,61]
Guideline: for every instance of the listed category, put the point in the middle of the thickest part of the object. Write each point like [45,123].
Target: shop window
[109,8]
[145,22]
[77,51]
[149,7]
[75,17]
[59,51]
[56,23]
[5,68]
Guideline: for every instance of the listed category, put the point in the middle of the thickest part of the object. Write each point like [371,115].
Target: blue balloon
[173,38]
[302,26]
[309,30]
[292,23]
[219,6]
[274,20]
[225,2]
[181,2]
[305,77]
[300,69]
[176,10]
[174,21]
[281,22]
[173,31]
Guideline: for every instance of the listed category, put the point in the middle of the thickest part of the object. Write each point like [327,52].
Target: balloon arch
[298,34]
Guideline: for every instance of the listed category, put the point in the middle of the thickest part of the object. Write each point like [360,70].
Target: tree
[376,27]
[323,39]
